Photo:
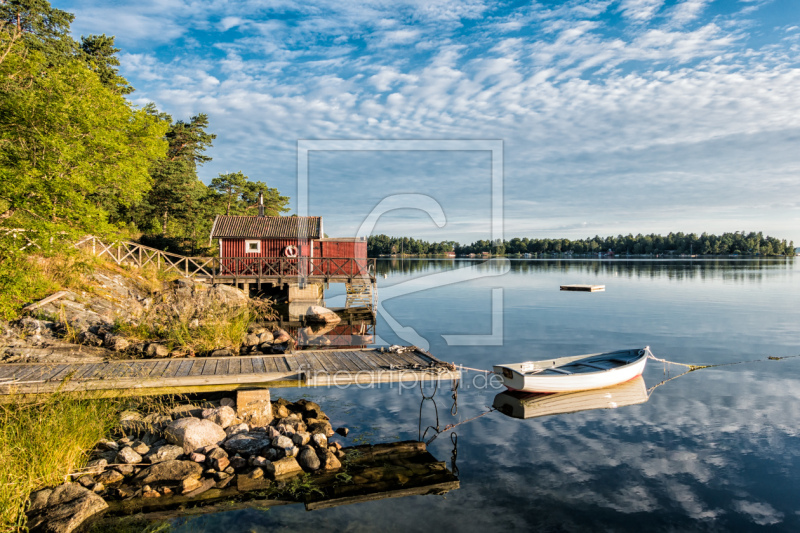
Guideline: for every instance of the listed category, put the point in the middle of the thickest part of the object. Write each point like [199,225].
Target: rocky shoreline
[105,322]
[246,442]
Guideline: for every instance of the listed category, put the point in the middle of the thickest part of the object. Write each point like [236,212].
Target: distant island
[737,243]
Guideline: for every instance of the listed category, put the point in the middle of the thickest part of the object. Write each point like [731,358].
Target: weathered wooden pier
[301,368]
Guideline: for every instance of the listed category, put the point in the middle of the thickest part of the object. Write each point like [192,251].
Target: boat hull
[516,377]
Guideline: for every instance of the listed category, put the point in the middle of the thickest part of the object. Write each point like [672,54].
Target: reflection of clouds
[686,459]
[762,514]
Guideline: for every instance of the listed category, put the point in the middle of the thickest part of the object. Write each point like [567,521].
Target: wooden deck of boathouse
[301,368]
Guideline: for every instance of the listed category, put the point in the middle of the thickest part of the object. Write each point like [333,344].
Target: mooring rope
[698,367]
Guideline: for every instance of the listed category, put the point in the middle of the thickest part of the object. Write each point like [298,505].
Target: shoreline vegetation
[739,243]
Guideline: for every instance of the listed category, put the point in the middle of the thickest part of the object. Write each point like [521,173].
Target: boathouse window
[252,247]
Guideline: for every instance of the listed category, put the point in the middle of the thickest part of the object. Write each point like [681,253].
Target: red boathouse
[276,247]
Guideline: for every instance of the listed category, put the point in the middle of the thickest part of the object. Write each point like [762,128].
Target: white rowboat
[580,372]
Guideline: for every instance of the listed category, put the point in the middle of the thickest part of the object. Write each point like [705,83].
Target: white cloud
[640,10]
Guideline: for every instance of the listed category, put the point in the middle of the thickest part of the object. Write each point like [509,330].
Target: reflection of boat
[517,404]
[580,372]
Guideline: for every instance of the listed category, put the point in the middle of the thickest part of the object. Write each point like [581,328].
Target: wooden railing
[233,267]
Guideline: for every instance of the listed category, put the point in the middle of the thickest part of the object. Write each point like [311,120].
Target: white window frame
[247,249]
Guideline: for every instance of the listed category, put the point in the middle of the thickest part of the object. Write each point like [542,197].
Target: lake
[714,450]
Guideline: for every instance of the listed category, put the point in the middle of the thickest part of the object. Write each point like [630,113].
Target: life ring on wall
[290,251]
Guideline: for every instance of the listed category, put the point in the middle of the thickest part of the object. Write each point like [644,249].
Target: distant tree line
[385,245]
[672,244]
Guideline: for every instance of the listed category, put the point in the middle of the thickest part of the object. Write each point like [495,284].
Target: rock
[156,350]
[222,416]
[97,466]
[301,438]
[116,343]
[140,447]
[167,452]
[150,493]
[205,485]
[219,463]
[189,484]
[254,407]
[66,508]
[222,352]
[265,347]
[192,433]
[156,422]
[320,440]
[86,481]
[105,444]
[282,442]
[342,431]
[280,336]
[237,429]
[127,456]
[273,432]
[216,453]
[197,457]
[169,472]
[259,461]
[98,488]
[323,427]
[227,402]
[291,452]
[251,340]
[271,454]
[246,443]
[329,461]
[38,499]
[237,462]
[319,314]
[283,467]
[308,460]
[266,337]
[88,338]
[125,470]
[109,477]
[280,411]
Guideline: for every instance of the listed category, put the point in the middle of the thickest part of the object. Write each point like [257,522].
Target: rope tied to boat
[691,367]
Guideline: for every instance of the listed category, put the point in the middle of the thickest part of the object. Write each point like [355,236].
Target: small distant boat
[524,405]
[580,372]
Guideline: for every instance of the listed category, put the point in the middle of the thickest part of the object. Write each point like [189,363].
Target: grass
[42,442]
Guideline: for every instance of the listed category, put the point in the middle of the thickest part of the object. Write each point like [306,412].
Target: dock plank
[197,367]
[210,368]
[313,367]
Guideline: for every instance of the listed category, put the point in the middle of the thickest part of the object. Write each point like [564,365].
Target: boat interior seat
[592,365]
[621,361]
[560,370]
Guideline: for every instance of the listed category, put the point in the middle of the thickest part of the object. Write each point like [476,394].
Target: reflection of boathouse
[292,255]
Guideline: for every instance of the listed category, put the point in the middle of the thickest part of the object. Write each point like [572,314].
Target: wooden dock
[584,288]
[301,368]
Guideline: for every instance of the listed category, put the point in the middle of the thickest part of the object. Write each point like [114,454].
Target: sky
[613,116]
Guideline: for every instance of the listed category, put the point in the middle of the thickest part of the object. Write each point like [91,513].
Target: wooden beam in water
[584,288]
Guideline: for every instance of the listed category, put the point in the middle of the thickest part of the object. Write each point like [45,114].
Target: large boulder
[169,472]
[246,443]
[193,433]
[285,467]
[65,509]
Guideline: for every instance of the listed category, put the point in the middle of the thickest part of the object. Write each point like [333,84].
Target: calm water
[715,450]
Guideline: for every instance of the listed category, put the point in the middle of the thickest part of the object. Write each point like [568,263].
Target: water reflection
[516,404]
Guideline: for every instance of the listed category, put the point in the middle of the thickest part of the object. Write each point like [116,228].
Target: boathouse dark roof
[236,227]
